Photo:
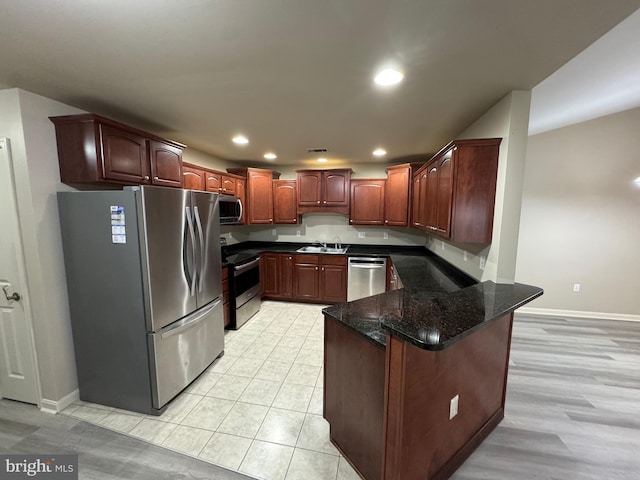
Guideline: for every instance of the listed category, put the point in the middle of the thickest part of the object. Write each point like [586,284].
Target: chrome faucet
[338,243]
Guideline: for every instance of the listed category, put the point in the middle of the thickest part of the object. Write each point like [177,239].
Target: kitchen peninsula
[415,378]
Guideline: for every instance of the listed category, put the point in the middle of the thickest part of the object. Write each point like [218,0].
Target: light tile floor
[257,410]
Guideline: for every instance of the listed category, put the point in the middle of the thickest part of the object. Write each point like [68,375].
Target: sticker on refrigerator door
[118,227]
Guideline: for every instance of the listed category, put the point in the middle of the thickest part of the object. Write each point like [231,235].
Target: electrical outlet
[442,245]
[385,236]
[297,233]
[273,232]
[465,256]
[483,262]
[453,407]
[361,235]
[576,287]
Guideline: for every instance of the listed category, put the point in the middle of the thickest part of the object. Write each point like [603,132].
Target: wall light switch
[361,235]
[273,232]
[442,245]
[385,236]
[297,233]
[576,287]
[453,407]
[465,256]
[483,262]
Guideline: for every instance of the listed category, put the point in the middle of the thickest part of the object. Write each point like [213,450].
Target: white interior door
[18,379]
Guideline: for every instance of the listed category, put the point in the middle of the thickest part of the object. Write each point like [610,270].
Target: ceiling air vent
[317,150]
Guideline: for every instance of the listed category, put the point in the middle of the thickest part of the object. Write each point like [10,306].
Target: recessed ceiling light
[379,152]
[270,156]
[322,160]
[637,181]
[240,140]
[388,76]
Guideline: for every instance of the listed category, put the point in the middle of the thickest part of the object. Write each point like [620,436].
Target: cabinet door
[228,185]
[286,275]
[445,193]
[192,178]
[415,201]
[166,164]
[213,182]
[285,204]
[260,201]
[125,156]
[270,274]
[333,283]
[431,196]
[309,188]
[306,277]
[336,188]
[396,197]
[367,202]
[242,195]
[422,208]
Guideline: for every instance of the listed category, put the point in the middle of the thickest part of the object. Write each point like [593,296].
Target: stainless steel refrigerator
[143,270]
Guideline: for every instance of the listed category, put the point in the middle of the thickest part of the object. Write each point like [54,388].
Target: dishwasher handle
[360,262]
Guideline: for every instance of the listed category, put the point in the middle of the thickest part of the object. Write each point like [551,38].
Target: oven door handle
[246,266]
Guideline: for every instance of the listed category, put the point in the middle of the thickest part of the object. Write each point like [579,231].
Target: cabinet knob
[316,268]
[146,178]
[323,269]
[324,201]
[386,221]
[318,201]
[156,179]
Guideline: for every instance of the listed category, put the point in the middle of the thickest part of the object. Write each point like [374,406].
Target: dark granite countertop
[438,305]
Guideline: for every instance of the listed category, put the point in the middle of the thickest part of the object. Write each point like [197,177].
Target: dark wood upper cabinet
[228,185]
[285,205]
[415,200]
[166,164]
[367,202]
[95,150]
[457,191]
[323,190]
[258,208]
[193,177]
[309,188]
[213,181]
[397,195]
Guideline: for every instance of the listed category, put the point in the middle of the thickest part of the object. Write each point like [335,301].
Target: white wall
[24,120]
[508,119]
[581,217]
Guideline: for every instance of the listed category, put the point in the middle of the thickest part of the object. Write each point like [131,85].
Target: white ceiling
[294,74]
[601,80]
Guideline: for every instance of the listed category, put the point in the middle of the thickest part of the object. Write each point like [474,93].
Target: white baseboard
[551,312]
[53,406]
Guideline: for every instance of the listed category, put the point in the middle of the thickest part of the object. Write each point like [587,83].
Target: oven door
[246,281]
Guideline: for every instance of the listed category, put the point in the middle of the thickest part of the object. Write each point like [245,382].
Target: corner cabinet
[258,208]
[456,191]
[323,190]
[96,150]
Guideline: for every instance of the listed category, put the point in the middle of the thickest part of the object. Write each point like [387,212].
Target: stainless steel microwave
[230,209]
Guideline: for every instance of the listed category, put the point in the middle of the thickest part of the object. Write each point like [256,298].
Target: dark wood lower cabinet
[306,278]
[388,407]
[225,297]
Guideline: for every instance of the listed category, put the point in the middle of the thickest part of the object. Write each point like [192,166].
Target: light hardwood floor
[572,412]
[573,404]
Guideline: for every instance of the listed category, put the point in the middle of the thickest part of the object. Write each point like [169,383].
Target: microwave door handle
[240,214]
[196,214]
[192,237]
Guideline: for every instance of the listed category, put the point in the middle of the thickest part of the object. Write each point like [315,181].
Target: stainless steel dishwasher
[367,276]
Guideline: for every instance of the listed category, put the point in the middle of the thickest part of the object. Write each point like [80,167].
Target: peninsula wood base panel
[398,410]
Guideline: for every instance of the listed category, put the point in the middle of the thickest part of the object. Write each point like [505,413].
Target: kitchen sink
[320,249]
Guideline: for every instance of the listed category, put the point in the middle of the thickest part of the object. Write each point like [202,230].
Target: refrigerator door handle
[192,237]
[187,323]
[196,214]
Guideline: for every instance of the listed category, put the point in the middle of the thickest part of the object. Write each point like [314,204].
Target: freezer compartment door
[183,350]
